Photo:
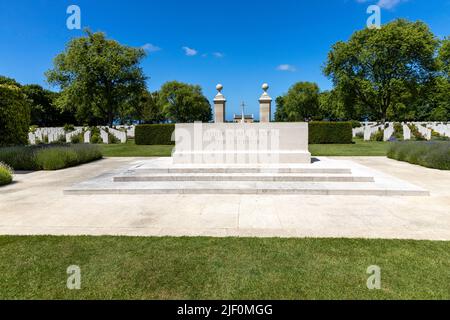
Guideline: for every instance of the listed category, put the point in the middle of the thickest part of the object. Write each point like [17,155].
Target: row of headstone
[87,137]
[72,134]
[120,135]
[388,132]
[425,129]
[442,129]
[370,130]
[129,130]
[49,135]
[104,135]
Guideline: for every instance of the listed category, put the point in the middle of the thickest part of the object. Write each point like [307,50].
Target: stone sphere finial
[219,87]
[265,87]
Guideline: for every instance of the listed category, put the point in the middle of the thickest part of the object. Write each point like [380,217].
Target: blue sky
[240,44]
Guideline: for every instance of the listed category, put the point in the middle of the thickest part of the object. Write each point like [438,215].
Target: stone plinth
[255,143]
[219,105]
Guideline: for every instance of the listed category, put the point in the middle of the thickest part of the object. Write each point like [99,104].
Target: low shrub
[76,139]
[398,131]
[69,127]
[6,174]
[49,157]
[330,133]
[67,156]
[415,133]
[20,157]
[154,134]
[430,154]
[378,136]
[112,139]
[356,124]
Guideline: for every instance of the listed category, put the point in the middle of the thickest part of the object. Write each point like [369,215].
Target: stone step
[276,188]
[233,170]
[263,177]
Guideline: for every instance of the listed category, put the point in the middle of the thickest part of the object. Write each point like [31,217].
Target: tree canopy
[301,102]
[378,67]
[184,103]
[97,77]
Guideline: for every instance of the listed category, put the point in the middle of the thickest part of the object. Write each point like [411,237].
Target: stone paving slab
[35,205]
[132,180]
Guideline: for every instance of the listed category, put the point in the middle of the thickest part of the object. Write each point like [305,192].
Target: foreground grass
[130,149]
[360,148]
[210,268]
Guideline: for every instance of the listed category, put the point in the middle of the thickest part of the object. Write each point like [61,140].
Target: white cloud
[189,51]
[150,47]
[218,54]
[286,67]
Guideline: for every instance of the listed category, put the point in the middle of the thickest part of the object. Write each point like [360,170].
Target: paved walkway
[35,205]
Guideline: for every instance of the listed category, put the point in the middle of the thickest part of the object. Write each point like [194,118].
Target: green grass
[360,148]
[213,268]
[130,149]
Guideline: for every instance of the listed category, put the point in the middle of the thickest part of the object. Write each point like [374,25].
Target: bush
[415,133]
[69,127]
[154,134]
[435,154]
[330,133]
[398,131]
[20,158]
[76,139]
[6,174]
[356,124]
[378,136]
[49,157]
[14,116]
[112,139]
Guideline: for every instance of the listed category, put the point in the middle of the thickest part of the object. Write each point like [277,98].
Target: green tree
[14,116]
[378,66]
[149,110]
[444,56]
[9,81]
[300,103]
[280,114]
[44,112]
[97,76]
[184,103]
[331,106]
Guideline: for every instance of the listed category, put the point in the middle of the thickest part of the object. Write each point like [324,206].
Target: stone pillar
[219,105]
[265,102]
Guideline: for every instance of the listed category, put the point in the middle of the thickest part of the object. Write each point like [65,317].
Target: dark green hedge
[330,133]
[154,134]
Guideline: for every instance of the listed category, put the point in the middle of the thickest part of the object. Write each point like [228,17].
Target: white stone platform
[323,177]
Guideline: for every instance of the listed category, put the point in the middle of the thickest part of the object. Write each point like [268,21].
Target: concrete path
[36,205]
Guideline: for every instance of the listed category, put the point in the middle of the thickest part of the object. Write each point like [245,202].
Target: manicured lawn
[130,149]
[213,268]
[360,148]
